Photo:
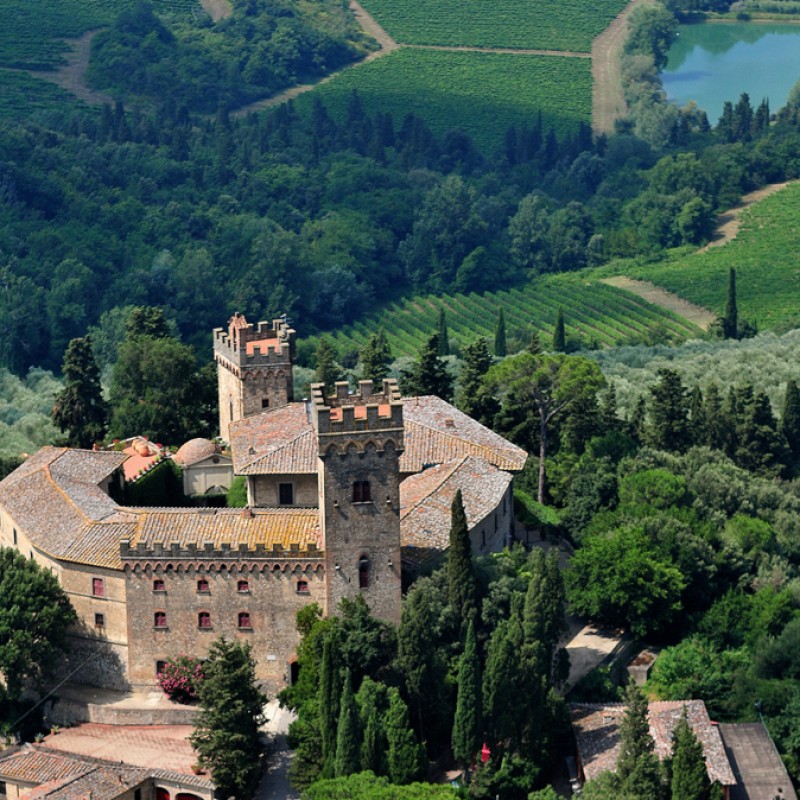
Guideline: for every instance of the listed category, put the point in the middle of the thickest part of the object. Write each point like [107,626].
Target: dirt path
[72,75]
[729,222]
[608,100]
[217,9]
[510,50]
[697,315]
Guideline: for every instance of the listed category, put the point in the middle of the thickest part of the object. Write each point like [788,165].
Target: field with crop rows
[483,93]
[522,24]
[31,31]
[592,311]
[765,255]
[21,94]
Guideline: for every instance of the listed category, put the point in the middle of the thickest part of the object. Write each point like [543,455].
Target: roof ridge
[276,449]
[459,459]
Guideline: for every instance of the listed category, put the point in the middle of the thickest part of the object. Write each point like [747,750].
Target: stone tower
[254,368]
[359,443]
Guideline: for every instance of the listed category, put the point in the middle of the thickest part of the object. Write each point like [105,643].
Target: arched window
[361,492]
[204,619]
[244,620]
[363,572]
[160,619]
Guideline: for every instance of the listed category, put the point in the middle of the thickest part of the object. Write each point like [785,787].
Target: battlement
[158,551]
[246,345]
[364,411]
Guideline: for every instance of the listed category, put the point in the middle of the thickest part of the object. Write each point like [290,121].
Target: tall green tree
[715,428]
[560,334]
[226,735]
[500,346]
[376,356]
[329,699]
[548,385]
[730,322]
[348,740]
[544,620]
[34,617]
[467,725]
[761,447]
[638,768]
[373,702]
[444,337]
[79,409]
[405,755]
[697,417]
[328,371]
[689,775]
[461,581]
[472,395]
[790,419]
[669,413]
[428,374]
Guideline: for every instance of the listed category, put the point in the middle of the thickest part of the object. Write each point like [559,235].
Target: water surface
[714,62]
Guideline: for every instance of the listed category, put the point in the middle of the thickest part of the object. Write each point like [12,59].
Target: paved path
[274,783]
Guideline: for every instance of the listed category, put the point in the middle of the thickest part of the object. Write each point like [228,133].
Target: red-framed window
[302,587]
[202,585]
[159,585]
[361,492]
[98,587]
[160,619]
[243,620]
[243,586]
[204,619]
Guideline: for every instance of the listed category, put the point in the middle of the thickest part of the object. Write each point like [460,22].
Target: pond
[714,62]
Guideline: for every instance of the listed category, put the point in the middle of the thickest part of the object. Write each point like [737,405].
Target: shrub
[180,678]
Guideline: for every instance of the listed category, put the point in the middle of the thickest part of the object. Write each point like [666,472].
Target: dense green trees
[428,374]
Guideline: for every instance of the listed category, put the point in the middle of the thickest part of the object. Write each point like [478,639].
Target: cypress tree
[500,348]
[608,410]
[639,418]
[372,702]
[697,417]
[689,775]
[560,334]
[461,582]
[329,701]
[348,756]
[669,411]
[428,374]
[790,420]
[535,345]
[376,357]
[405,755]
[638,768]
[730,322]
[444,339]
[543,614]
[327,370]
[79,409]
[467,724]
[473,396]
[715,433]
[761,448]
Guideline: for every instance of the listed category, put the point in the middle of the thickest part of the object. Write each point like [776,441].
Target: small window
[15,535]
[98,589]
[137,794]
[159,585]
[160,619]
[363,572]
[285,494]
[361,492]
[265,402]
[243,586]
[3,791]
[244,620]
[202,585]
[204,619]
[483,538]
[302,587]
[99,620]
[160,667]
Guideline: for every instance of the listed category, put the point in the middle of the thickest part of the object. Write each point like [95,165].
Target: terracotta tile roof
[596,729]
[97,783]
[281,441]
[31,765]
[267,526]
[194,450]
[760,773]
[425,501]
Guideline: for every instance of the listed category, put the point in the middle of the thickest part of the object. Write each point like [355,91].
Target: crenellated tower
[254,368]
[359,443]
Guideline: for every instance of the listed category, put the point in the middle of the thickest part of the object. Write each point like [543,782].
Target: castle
[344,492]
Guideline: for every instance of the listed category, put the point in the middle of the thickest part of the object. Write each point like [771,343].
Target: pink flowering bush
[180,678]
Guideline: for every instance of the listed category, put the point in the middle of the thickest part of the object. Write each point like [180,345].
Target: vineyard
[545,25]
[594,313]
[764,255]
[482,93]
[21,94]
[31,33]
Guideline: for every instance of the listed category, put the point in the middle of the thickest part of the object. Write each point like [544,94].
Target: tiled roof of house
[425,501]
[281,441]
[193,451]
[596,729]
[32,765]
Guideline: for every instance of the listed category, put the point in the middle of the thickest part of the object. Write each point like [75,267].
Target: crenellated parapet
[245,346]
[209,552]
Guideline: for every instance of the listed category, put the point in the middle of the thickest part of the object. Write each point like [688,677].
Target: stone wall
[265,491]
[229,389]
[272,598]
[496,529]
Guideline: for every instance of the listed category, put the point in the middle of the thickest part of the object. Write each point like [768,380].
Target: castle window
[243,586]
[160,619]
[265,402]
[285,494]
[363,572]
[202,585]
[15,535]
[3,789]
[137,794]
[361,492]
[159,585]
[204,620]
[483,538]
[302,587]
[244,620]
[98,589]
[99,620]
[160,667]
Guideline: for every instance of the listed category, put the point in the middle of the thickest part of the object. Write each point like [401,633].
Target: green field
[483,93]
[592,311]
[21,94]
[521,24]
[765,255]
[31,32]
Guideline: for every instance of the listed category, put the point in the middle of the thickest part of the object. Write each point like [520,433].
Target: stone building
[344,492]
